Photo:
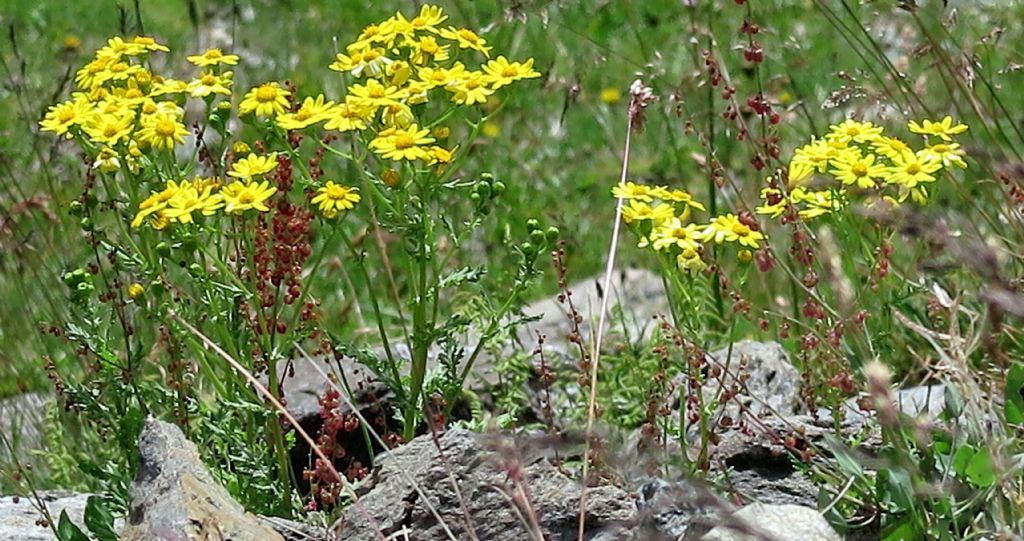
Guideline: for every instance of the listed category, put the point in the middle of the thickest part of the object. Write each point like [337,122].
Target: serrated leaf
[99,520]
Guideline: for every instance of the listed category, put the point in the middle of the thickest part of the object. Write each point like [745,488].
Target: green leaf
[906,529]
[99,520]
[1014,393]
[68,531]
[979,470]
[961,459]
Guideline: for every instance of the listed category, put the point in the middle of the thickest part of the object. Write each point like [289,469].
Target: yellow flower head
[332,198]
[161,131]
[136,290]
[110,128]
[428,50]
[473,87]
[639,211]
[213,57]
[854,168]
[311,111]
[374,95]
[852,130]
[949,154]
[156,203]
[912,169]
[467,39]
[729,228]
[426,21]
[674,234]
[891,147]
[242,196]
[347,117]
[362,60]
[253,166]
[211,83]
[403,143]
[632,190]
[266,100]
[193,197]
[149,44]
[501,72]
[610,95]
[942,129]
[107,161]
[61,117]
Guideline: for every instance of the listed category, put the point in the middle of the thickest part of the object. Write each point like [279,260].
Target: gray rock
[496,506]
[776,522]
[773,384]
[174,496]
[20,521]
[21,418]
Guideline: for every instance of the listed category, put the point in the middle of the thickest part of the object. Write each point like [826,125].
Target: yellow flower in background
[632,190]
[467,39]
[374,95]
[490,129]
[61,117]
[852,130]
[346,117]
[912,169]
[775,202]
[471,88]
[500,72]
[728,228]
[311,111]
[676,196]
[210,83]
[942,129]
[71,42]
[854,168]
[117,47]
[674,234]
[816,203]
[639,211]
[253,166]
[403,143]
[690,260]
[136,290]
[191,198]
[426,21]
[427,50]
[107,161]
[168,86]
[213,57]
[161,131]
[362,60]
[87,77]
[266,100]
[149,44]
[242,196]
[610,95]
[890,147]
[157,202]
[436,77]
[440,156]
[949,154]
[110,129]
[332,198]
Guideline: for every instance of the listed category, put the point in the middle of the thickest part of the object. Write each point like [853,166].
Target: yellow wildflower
[673,234]
[501,72]
[436,77]
[332,198]
[107,161]
[852,130]
[346,117]
[891,147]
[361,60]
[253,166]
[213,57]
[149,44]
[109,129]
[426,21]
[638,211]
[88,76]
[311,111]
[728,228]
[240,197]
[373,95]
[161,131]
[168,86]
[427,50]
[949,154]
[610,95]
[61,117]
[211,83]
[853,168]
[632,190]
[471,88]
[136,290]
[157,202]
[191,198]
[266,100]
[467,39]
[942,129]
[403,143]
[910,170]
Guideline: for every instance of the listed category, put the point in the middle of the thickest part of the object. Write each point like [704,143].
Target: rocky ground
[462,485]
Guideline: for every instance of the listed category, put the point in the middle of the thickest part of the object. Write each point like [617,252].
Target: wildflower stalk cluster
[224,219]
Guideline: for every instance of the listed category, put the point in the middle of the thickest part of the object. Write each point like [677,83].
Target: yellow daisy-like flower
[117,47]
[852,130]
[639,211]
[362,60]
[403,143]
[673,234]
[61,117]
[107,161]
[253,166]
[816,203]
[949,154]
[347,117]
[136,290]
[467,39]
[891,147]
[149,44]
[373,95]
[441,156]
[436,77]
[332,198]
[471,88]
[88,76]
[157,202]
[632,190]
[501,72]
[942,129]
[213,57]
[398,115]
[168,86]
[242,196]
[427,20]
[610,95]
[729,228]
[161,131]
[690,260]
[211,83]
[192,198]
[860,170]
[427,50]
[311,111]
[109,129]
[266,100]
[676,196]
[912,169]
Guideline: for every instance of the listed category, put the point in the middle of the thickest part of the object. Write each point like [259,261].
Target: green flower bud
[527,248]
[498,188]
[552,234]
[86,224]
[195,269]
[75,208]
[163,249]
[532,224]
[538,237]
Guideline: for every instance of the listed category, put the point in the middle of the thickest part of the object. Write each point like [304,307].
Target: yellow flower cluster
[121,110]
[859,154]
[660,217]
[398,64]
[179,201]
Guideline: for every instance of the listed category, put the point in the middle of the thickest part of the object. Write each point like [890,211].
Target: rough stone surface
[776,522]
[175,498]
[392,504]
[18,520]
[21,418]
[773,387]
